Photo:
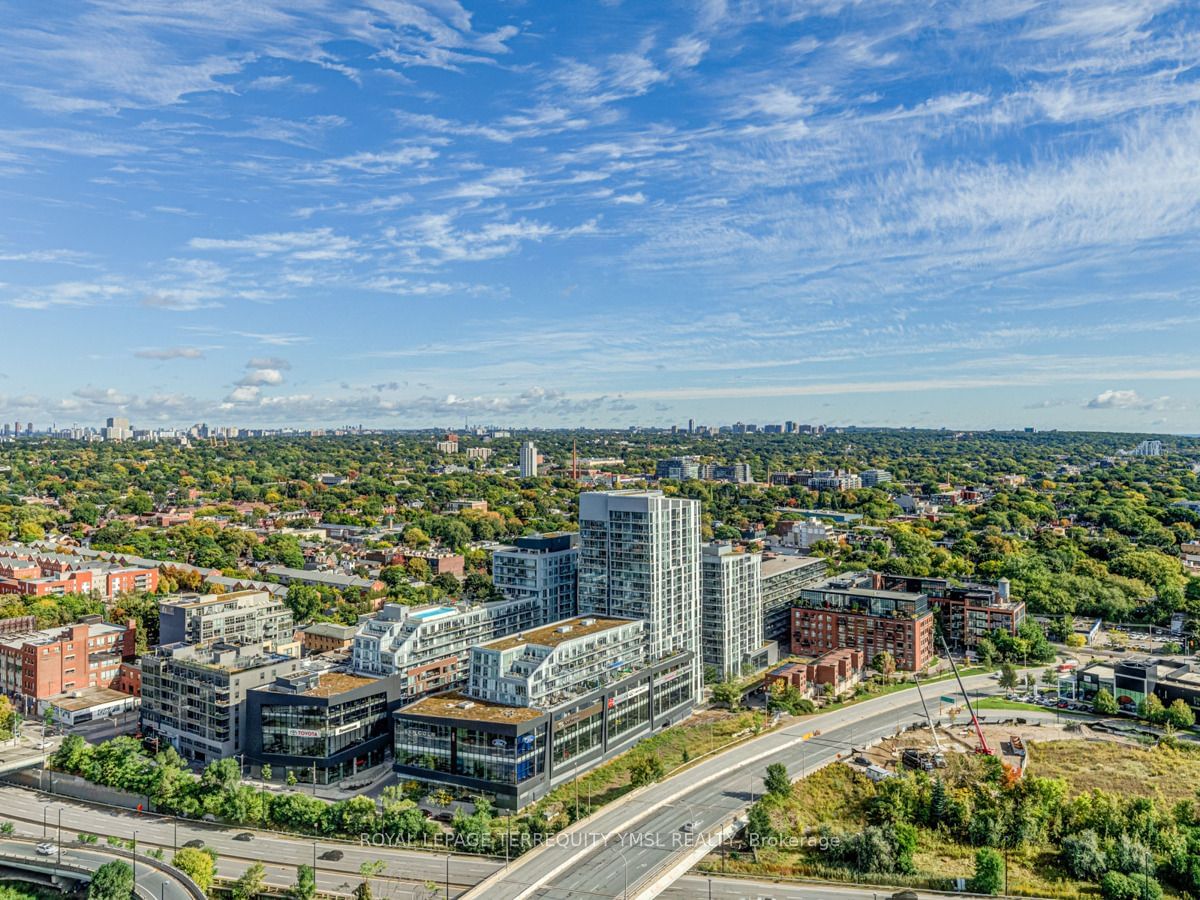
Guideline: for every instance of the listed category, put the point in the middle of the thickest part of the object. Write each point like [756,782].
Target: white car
[46,849]
[689,827]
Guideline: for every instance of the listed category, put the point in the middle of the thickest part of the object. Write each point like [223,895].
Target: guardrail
[37,864]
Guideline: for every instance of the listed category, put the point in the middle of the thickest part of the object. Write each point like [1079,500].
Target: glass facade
[470,751]
[578,732]
[317,731]
[629,711]
[672,688]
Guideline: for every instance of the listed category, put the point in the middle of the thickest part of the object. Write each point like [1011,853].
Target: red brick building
[42,664]
[854,611]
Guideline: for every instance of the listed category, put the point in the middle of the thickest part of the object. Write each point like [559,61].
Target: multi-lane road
[153,879]
[622,850]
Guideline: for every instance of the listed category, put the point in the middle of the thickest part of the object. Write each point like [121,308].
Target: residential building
[639,558]
[679,468]
[875,477]
[731,602]
[438,559]
[323,637]
[855,611]
[834,480]
[832,674]
[448,446]
[529,460]
[1148,448]
[543,709]
[545,566]
[1189,555]
[37,665]
[483,454]
[243,617]
[783,578]
[965,612]
[320,721]
[738,473]
[806,534]
[194,695]
[329,579]
[428,646]
[116,429]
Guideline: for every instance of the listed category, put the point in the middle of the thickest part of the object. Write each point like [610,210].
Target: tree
[1008,676]
[885,664]
[250,885]
[265,772]
[645,770]
[1180,715]
[305,887]
[112,881]
[1083,855]
[758,826]
[1104,703]
[1115,886]
[989,872]
[363,891]
[1152,710]
[727,694]
[197,865]
[776,781]
[938,803]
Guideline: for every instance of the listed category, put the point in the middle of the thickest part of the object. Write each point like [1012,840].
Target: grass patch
[1165,773]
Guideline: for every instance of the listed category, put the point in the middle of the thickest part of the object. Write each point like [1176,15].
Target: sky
[601,212]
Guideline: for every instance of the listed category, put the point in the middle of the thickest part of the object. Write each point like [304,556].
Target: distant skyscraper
[639,558]
[1148,448]
[529,460]
[691,426]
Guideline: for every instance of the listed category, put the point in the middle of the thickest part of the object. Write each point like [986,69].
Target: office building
[783,578]
[542,709]
[194,695]
[529,460]
[543,566]
[1130,681]
[428,646]
[856,611]
[731,600]
[320,722]
[116,429]
[639,558]
[241,617]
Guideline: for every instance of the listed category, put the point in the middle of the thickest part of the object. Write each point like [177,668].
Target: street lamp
[625,860]
[447,876]
[59,841]
[135,858]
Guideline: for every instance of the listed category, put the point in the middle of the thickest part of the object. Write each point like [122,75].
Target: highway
[622,848]
[152,879]
[37,815]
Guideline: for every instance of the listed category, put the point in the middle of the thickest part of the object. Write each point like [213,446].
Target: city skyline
[409,214]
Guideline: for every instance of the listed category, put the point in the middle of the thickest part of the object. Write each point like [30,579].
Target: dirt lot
[961,739]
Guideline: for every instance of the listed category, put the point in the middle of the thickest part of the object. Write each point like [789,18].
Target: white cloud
[1124,399]
[261,377]
[165,353]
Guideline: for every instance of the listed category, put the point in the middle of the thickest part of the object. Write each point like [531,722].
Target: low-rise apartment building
[855,611]
[38,665]
[194,695]
[966,612]
[242,617]
[429,646]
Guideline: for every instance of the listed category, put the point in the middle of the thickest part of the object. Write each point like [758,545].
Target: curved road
[622,848]
[154,879]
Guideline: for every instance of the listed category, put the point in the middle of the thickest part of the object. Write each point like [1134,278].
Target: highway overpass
[76,863]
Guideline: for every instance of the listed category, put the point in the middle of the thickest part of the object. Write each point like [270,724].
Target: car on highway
[46,849]
[332,855]
[244,836]
[195,844]
[691,826]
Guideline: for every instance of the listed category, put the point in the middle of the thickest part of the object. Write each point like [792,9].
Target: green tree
[250,884]
[885,664]
[776,781]
[1180,715]
[197,865]
[1008,676]
[1104,703]
[305,887]
[1083,855]
[989,872]
[112,881]
[727,694]
[1152,710]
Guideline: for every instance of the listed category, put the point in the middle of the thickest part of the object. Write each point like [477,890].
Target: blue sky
[401,213]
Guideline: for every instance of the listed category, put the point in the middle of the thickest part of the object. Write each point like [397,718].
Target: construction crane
[983,744]
[937,745]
